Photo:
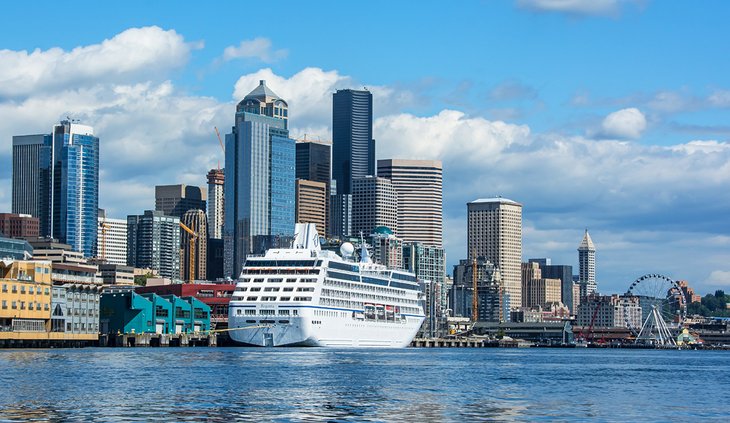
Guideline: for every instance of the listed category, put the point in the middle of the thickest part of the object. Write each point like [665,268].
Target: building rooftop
[587,243]
[262,93]
[495,200]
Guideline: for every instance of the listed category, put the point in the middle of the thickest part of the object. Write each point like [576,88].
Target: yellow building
[25,297]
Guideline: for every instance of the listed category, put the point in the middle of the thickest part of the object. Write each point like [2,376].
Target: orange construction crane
[474,296]
[222,146]
[191,261]
[102,255]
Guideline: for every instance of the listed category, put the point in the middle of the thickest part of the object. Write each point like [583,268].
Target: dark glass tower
[353,152]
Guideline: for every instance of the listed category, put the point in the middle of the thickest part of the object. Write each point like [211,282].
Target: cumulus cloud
[624,124]
[130,55]
[259,48]
[573,7]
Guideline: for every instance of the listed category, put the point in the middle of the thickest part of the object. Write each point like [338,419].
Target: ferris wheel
[654,309]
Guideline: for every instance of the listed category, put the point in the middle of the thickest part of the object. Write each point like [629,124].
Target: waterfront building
[32,178]
[260,175]
[607,311]
[538,291]
[311,200]
[196,221]
[491,303]
[217,296]
[428,263]
[216,211]
[111,239]
[562,272]
[153,242]
[129,312]
[116,274]
[353,150]
[15,225]
[175,200]
[587,266]
[374,203]
[418,184]
[17,249]
[494,231]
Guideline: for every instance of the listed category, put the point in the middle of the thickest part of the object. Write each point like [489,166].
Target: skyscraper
[259,184]
[175,200]
[494,231]
[353,150]
[32,178]
[587,266]
[56,179]
[153,241]
[419,187]
[196,221]
[216,178]
[314,163]
[374,203]
[311,203]
[111,239]
[562,272]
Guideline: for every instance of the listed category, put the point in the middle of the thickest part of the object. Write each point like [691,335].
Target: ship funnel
[306,236]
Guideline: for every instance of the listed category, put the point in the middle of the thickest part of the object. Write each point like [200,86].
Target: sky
[610,115]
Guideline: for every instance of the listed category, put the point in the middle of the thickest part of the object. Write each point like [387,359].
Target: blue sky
[606,114]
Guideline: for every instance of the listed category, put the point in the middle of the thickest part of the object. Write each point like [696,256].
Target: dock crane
[191,261]
[474,296]
[221,143]
[102,255]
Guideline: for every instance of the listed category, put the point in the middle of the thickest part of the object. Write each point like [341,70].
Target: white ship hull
[337,330]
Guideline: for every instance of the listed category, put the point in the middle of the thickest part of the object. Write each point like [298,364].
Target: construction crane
[191,258]
[103,225]
[221,143]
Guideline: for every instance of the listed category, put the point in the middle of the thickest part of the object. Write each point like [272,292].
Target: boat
[307,296]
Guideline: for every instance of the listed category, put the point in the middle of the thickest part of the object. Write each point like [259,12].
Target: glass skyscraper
[56,178]
[353,151]
[259,184]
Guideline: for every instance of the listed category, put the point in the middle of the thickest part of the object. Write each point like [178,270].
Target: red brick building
[19,225]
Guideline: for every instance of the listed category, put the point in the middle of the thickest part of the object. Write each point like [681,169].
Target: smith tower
[353,152]
[587,266]
[259,182]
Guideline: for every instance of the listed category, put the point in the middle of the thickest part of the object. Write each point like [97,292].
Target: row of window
[31,306]
[14,289]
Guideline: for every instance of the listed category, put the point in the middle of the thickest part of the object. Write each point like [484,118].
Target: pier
[158,340]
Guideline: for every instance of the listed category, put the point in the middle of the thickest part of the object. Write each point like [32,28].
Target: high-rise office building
[153,241]
[56,179]
[311,202]
[419,187]
[195,220]
[175,200]
[111,245]
[216,179]
[353,150]
[490,296]
[429,264]
[32,178]
[494,231]
[314,163]
[259,185]
[562,272]
[587,266]
[537,290]
[374,203]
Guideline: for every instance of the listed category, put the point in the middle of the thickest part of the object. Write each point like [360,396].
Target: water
[413,385]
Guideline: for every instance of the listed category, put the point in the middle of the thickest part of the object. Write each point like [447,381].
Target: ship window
[284,298]
[238,311]
[258,280]
[250,321]
[290,280]
[252,298]
[308,289]
[256,289]
[250,312]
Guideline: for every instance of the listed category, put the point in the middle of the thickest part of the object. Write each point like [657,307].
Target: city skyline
[637,152]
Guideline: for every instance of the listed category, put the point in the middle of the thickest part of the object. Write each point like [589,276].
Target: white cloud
[258,48]
[624,123]
[130,55]
[719,278]
[573,7]
[720,98]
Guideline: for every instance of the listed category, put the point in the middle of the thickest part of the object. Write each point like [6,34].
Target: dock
[146,339]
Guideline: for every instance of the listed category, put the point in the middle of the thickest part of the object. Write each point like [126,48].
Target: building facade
[32,178]
[419,187]
[491,304]
[196,221]
[609,311]
[17,249]
[429,265]
[259,185]
[314,163]
[153,242]
[562,272]
[111,240]
[311,199]
[374,203]
[14,225]
[494,231]
[216,180]
[353,148]
[587,266]
[175,200]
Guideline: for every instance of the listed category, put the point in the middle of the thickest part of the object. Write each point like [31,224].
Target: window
[252,298]
[5,304]
[5,287]
[250,312]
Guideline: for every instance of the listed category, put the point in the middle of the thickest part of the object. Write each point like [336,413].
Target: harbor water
[317,384]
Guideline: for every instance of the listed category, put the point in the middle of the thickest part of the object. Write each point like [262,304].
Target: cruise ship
[306,296]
